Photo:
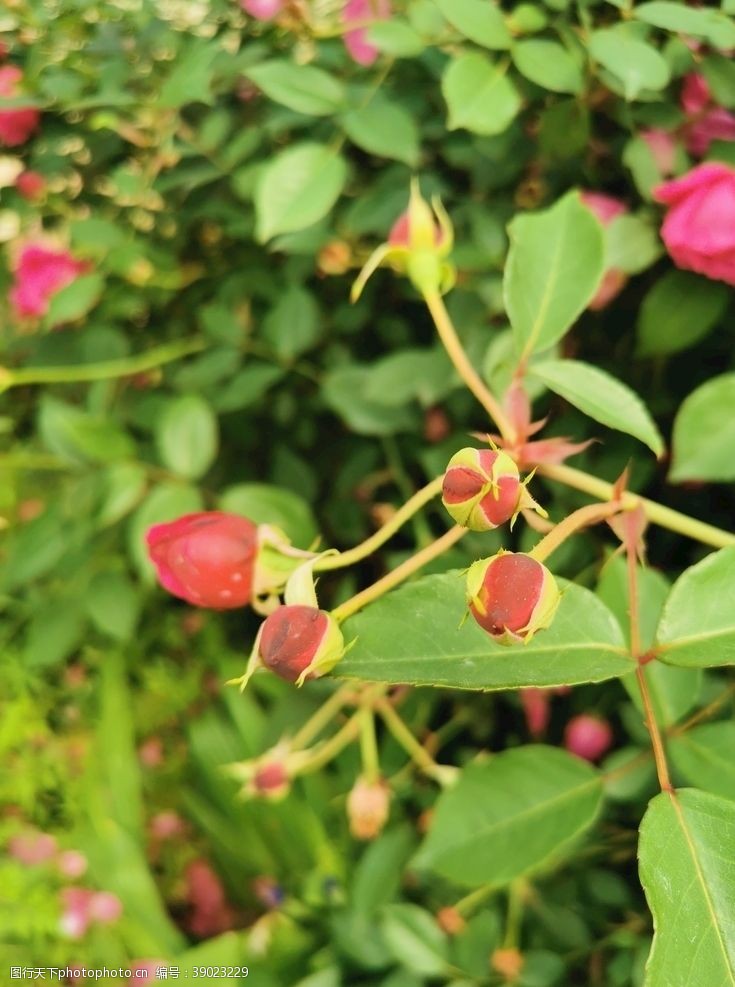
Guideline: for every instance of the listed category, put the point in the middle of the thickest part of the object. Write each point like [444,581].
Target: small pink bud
[32,848]
[166,825]
[271,781]
[262,10]
[71,864]
[695,94]
[105,907]
[482,489]
[300,642]
[75,917]
[31,185]
[588,736]
[368,807]
[511,596]
[535,703]
[206,559]
[662,146]
[150,752]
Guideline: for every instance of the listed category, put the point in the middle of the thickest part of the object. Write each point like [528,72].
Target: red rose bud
[31,185]
[300,642]
[588,736]
[482,489]
[207,559]
[511,596]
[368,807]
[418,244]
[270,781]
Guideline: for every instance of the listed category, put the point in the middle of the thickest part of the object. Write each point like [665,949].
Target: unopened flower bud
[511,596]
[418,244]
[482,489]
[368,807]
[334,258]
[270,781]
[300,642]
[451,921]
[588,736]
[508,963]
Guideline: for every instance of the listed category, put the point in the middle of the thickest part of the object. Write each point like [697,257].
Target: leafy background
[224,178]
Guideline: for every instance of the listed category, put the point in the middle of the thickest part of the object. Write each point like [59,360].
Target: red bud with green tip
[482,489]
[511,596]
[300,642]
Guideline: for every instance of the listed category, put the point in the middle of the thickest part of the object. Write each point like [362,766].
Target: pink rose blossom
[262,10]
[355,39]
[606,208]
[588,736]
[105,907]
[662,146]
[39,274]
[32,848]
[210,912]
[699,228]
[71,864]
[16,124]
[708,122]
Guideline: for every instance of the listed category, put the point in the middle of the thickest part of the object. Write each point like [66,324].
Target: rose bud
[508,962]
[270,780]
[300,642]
[368,807]
[482,489]
[418,244]
[511,596]
[588,736]
[31,185]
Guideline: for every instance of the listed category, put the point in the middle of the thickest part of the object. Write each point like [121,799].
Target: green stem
[443,774]
[465,906]
[516,894]
[322,717]
[456,353]
[401,572]
[367,547]
[107,370]
[369,745]
[657,513]
[585,516]
[350,731]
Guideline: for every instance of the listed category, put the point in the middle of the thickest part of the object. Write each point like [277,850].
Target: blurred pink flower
[105,907]
[662,146]
[31,185]
[71,864]
[32,848]
[16,125]
[150,752]
[39,274]
[262,10]
[588,736]
[699,228]
[166,825]
[355,39]
[75,917]
[708,122]
[606,208]
[535,703]
[210,913]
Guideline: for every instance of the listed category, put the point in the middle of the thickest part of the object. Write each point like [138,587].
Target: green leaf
[297,188]
[704,433]
[75,299]
[395,37]
[636,64]
[697,627]
[346,391]
[377,875]
[303,88]
[719,71]
[113,604]
[510,815]
[294,323]
[548,64]
[479,95]
[703,755]
[688,873]
[631,244]
[266,504]
[713,25]
[54,632]
[187,436]
[384,129]
[424,375]
[124,486]
[415,939]
[583,644]
[554,268]
[191,78]
[78,436]
[478,20]
[679,310]
[602,397]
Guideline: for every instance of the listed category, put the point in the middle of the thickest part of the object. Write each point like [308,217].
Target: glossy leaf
[635,63]
[510,815]
[385,129]
[704,756]
[548,64]
[187,436]
[688,874]
[266,504]
[704,433]
[478,20]
[679,310]
[74,300]
[296,188]
[713,25]
[413,635]
[304,88]
[554,267]
[479,95]
[697,627]
[602,397]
